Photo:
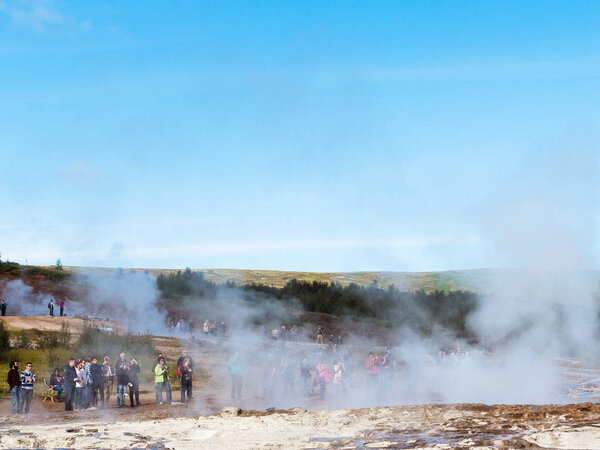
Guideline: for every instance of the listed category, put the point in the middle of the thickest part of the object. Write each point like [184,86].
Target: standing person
[319,334]
[97,383]
[88,393]
[61,305]
[339,371]
[372,366]
[161,378]
[182,358]
[122,369]
[27,380]
[51,306]
[294,333]
[235,369]
[206,328]
[387,366]
[134,384]
[14,383]
[3,307]
[287,372]
[109,377]
[306,376]
[269,377]
[348,364]
[184,355]
[58,384]
[186,380]
[70,374]
[324,374]
[80,386]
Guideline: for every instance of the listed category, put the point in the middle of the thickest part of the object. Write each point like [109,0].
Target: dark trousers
[186,389]
[236,386]
[62,310]
[98,390]
[3,312]
[27,396]
[51,311]
[80,397]
[69,397]
[88,395]
[322,387]
[134,390]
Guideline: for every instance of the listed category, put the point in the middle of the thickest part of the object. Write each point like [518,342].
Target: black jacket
[134,369]
[69,373]
[13,378]
[96,373]
[186,375]
[122,372]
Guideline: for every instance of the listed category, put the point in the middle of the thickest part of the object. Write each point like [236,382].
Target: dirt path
[48,323]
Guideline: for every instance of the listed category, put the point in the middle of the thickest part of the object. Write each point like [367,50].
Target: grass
[49,272]
[47,350]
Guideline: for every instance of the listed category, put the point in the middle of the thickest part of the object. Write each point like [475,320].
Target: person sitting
[57,382]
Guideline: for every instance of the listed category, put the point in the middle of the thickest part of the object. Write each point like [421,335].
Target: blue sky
[308,135]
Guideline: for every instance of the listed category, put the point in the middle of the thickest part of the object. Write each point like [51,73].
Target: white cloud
[34,14]
[86,25]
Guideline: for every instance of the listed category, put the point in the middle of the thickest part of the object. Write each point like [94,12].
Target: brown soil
[48,323]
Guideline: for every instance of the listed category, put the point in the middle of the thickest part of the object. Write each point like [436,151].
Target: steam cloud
[127,296]
[22,298]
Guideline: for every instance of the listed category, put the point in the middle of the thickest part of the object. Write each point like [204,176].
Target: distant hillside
[475,280]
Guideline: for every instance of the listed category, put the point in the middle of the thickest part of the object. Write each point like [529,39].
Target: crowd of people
[209,328]
[85,384]
[287,371]
[327,371]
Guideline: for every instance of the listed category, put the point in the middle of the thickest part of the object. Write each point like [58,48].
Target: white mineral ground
[423,426]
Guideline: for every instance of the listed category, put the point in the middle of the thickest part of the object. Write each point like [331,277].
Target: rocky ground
[423,426]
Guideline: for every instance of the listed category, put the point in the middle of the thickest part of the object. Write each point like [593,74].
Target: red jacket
[373,366]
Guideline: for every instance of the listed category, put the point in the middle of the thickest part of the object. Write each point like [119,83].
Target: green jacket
[161,375]
[235,368]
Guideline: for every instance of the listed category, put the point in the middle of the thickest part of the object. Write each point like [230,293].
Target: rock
[382,444]
[270,410]
[297,410]
[232,410]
